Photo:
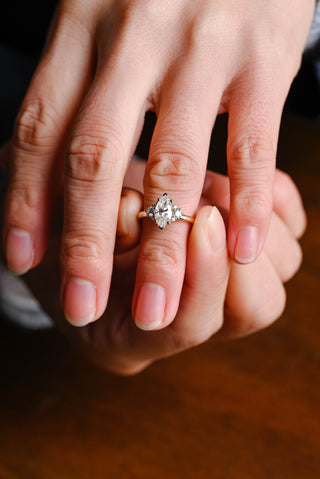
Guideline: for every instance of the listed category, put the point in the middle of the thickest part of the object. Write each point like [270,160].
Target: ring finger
[187,107]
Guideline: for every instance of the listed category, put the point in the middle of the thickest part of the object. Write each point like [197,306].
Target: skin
[105,64]
[220,297]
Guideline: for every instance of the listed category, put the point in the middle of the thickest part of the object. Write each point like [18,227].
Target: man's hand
[219,296]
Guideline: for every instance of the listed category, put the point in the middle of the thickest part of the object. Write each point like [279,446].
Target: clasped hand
[219,298]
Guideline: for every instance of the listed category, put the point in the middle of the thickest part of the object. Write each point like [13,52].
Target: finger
[128,226]
[101,145]
[255,108]
[201,306]
[255,298]
[282,249]
[216,189]
[288,204]
[135,173]
[176,165]
[40,130]
[200,311]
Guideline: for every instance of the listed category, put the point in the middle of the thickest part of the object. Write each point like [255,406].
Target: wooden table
[248,409]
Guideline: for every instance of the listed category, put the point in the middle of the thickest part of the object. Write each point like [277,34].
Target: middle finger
[101,144]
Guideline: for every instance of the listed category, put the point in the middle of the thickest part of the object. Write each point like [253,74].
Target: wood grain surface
[248,409]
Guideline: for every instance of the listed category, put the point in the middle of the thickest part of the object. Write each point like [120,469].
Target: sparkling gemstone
[150,211]
[177,213]
[163,211]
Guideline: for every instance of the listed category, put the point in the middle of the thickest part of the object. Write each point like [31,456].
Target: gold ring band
[144,214]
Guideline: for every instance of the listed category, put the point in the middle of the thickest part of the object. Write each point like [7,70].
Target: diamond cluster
[164,212]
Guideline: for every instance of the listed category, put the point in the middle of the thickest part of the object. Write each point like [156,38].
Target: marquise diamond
[164,211]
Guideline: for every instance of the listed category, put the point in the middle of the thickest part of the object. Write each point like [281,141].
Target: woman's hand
[219,296]
[105,64]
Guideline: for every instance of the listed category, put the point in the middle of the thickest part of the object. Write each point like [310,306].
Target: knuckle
[183,340]
[267,312]
[22,203]
[288,203]
[298,256]
[151,9]
[256,204]
[201,35]
[251,154]
[207,27]
[163,254]
[154,13]
[272,309]
[24,197]
[285,189]
[173,171]
[36,125]
[285,180]
[79,248]
[293,265]
[76,18]
[94,157]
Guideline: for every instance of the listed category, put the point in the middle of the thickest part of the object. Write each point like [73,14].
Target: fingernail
[246,248]
[150,306]
[19,250]
[216,231]
[79,302]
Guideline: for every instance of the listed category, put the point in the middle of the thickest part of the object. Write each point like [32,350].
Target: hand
[218,297]
[104,65]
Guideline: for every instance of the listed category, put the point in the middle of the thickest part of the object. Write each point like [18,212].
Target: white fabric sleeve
[313,41]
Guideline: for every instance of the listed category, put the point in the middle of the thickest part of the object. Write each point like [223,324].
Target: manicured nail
[150,306]
[246,248]
[216,231]
[80,302]
[19,250]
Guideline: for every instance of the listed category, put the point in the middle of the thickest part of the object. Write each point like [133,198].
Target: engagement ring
[164,212]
